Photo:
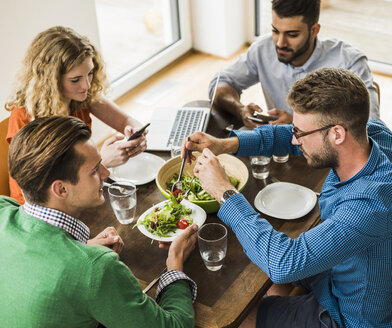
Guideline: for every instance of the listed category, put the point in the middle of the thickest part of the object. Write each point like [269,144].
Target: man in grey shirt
[278,60]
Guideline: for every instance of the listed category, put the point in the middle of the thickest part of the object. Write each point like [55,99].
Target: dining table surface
[224,297]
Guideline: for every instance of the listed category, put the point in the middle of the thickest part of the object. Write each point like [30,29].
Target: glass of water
[175,151]
[122,195]
[212,239]
[260,166]
[280,158]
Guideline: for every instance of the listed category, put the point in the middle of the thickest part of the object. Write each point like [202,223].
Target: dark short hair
[309,9]
[43,151]
[337,95]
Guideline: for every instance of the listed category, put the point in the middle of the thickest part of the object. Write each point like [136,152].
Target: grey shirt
[260,64]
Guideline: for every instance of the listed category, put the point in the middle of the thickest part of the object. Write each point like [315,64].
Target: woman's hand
[115,152]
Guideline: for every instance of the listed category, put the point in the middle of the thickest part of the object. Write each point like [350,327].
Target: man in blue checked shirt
[345,262]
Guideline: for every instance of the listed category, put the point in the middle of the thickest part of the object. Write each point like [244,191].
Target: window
[366,24]
[138,38]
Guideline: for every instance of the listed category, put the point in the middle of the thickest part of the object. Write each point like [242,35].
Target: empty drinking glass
[212,239]
[122,195]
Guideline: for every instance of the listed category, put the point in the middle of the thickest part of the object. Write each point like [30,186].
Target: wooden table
[226,296]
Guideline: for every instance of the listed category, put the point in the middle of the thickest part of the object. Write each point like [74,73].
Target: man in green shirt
[51,274]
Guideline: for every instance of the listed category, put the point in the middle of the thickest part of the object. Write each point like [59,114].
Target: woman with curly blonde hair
[63,74]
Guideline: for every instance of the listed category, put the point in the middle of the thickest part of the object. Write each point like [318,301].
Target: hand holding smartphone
[138,133]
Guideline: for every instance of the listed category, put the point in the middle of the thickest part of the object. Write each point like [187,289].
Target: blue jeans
[293,311]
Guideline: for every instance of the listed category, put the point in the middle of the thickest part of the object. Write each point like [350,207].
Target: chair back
[4,180]
[378,91]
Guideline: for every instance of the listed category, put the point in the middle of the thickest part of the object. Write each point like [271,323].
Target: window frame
[146,69]
[375,66]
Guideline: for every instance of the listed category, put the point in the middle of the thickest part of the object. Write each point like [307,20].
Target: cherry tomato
[176,192]
[182,224]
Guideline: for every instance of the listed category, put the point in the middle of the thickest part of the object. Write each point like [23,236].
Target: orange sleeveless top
[18,119]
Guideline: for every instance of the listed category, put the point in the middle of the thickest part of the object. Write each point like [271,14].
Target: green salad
[193,184]
[163,220]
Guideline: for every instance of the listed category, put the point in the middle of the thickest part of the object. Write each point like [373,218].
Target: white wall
[219,27]
[22,20]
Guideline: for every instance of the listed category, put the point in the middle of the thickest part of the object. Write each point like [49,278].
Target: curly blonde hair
[52,53]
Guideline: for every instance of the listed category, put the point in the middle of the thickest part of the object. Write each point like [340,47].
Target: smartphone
[265,117]
[138,133]
[257,120]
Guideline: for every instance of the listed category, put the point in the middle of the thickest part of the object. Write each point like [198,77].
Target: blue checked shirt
[79,231]
[349,255]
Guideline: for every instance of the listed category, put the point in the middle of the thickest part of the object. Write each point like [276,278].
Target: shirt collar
[314,57]
[76,228]
[368,169]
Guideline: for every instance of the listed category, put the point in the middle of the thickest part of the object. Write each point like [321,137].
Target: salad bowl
[233,166]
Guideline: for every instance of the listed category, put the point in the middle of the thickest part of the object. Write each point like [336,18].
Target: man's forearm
[230,145]
[227,99]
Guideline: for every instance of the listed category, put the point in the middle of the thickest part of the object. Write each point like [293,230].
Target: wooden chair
[4,185]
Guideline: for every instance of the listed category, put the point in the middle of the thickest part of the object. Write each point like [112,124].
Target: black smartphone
[265,117]
[138,133]
[257,120]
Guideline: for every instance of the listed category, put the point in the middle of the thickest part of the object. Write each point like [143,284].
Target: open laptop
[169,126]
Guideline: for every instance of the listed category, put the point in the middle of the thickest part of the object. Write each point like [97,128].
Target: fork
[178,184]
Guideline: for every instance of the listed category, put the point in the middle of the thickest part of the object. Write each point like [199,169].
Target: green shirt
[48,279]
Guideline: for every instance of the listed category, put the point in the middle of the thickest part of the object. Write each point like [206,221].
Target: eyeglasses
[298,134]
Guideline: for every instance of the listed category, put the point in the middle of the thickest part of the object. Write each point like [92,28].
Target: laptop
[169,126]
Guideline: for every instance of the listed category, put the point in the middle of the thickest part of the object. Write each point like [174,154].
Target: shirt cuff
[172,276]
[235,209]
[249,142]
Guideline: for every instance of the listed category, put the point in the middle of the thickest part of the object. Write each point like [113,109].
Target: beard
[288,59]
[326,157]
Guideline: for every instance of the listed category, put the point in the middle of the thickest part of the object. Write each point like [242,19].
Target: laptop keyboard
[187,121]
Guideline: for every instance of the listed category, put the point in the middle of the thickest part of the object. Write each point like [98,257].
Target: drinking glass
[212,239]
[122,195]
[260,166]
[175,151]
[280,158]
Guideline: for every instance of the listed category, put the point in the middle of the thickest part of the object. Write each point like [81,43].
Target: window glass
[133,31]
[366,24]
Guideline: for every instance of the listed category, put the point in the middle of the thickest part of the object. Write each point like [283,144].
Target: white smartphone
[257,120]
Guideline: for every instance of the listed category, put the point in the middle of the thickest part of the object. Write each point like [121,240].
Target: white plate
[140,169]
[198,215]
[285,200]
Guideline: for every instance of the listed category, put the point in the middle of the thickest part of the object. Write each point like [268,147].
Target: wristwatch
[227,194]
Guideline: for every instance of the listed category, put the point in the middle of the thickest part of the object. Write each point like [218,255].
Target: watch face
[229,193]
